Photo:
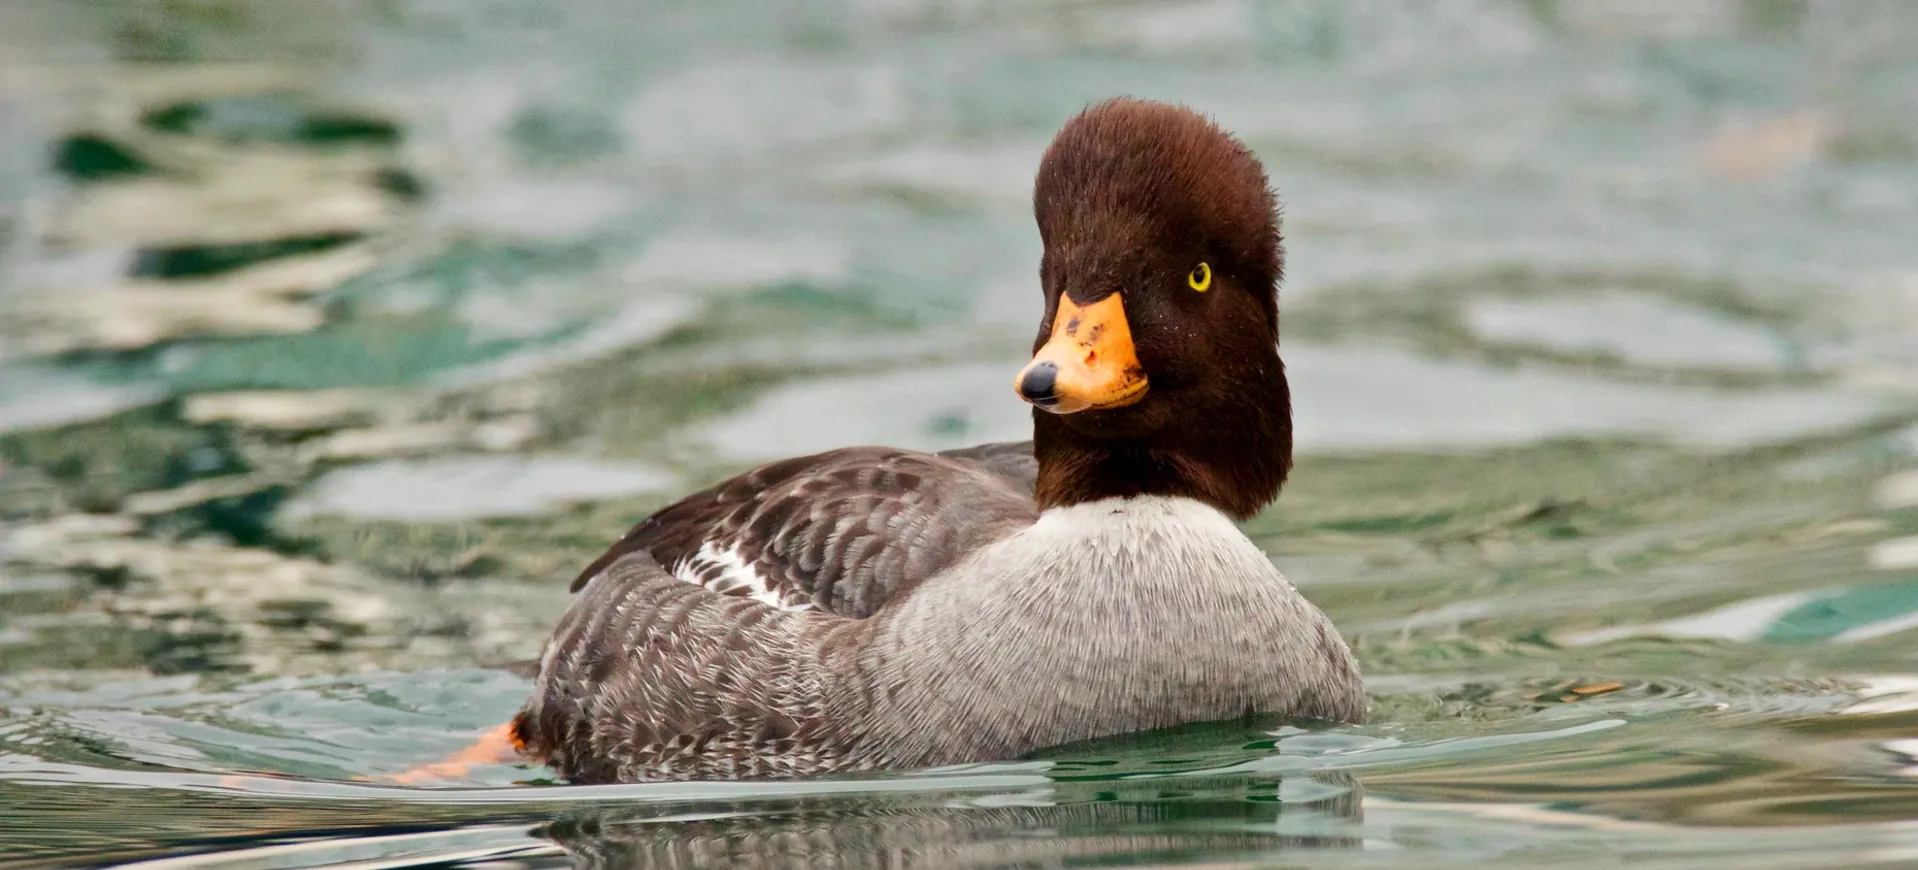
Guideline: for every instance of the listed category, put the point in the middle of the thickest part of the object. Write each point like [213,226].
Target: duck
[871,608]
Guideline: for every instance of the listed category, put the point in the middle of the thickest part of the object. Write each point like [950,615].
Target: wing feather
[681,656]
[841,532]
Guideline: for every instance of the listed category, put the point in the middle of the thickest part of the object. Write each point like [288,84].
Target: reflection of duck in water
[876,608]
[1129,822]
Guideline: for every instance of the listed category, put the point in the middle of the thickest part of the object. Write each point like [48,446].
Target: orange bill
[1088,363]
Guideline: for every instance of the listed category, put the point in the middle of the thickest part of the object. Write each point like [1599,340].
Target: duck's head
[1156,368]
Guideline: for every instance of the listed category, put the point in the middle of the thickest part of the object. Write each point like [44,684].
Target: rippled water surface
[335,337]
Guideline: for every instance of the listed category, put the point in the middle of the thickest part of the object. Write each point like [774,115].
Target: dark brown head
[1156,369]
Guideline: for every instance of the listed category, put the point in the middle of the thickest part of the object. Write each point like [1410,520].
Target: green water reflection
[335,337]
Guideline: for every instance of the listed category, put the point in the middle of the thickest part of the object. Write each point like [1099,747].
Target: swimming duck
[870,608]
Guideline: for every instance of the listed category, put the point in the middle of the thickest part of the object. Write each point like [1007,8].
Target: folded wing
[839,532]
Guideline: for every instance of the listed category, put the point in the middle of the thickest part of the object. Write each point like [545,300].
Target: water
[335,337]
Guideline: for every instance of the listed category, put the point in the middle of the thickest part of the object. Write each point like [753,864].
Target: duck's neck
[1235,462]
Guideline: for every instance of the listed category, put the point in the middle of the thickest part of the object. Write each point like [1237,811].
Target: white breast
[1101,618]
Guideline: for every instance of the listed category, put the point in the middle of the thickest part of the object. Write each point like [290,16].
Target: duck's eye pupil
[1201,278]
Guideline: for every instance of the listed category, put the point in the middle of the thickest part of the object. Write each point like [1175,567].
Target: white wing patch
[724,571]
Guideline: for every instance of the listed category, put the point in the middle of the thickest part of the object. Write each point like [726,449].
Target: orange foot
[499,745]
[258,779]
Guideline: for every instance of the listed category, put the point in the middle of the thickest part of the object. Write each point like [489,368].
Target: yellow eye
[1201,278]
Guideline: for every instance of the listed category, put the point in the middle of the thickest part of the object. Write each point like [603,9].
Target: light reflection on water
[322,371]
